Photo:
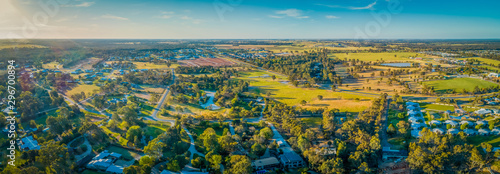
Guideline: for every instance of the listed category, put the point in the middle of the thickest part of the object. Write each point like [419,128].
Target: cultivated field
[216,62]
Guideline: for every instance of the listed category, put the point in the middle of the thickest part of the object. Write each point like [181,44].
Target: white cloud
[331,17]
[277,17]
[369,6]
[165,16]
[83,4]
[186,18]
[167,12]
[108,16]
[290,13]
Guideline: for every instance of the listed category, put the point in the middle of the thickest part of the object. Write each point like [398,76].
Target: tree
[209,138]
[133,133]
[464,126]
[274,77]
[320,97]
[303,102]
[332,166]
[54,157]
[266,133]
[155,148]
[403,127]
[391,129]
[133,169]
[240,164]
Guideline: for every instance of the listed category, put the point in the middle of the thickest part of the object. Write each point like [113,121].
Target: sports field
[459,83]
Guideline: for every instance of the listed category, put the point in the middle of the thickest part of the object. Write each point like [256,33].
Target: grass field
[148,65]
[82,88]
[400,56]
[51,65]
[483,60]
[290,95]
[436,107]
[441,86]
[313,122]
[494,140]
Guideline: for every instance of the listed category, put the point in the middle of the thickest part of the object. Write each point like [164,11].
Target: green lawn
[494,140]
[442,86]
[436,107]
[126,154]
[312,122]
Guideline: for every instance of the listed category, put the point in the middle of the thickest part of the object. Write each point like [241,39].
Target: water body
[397,64]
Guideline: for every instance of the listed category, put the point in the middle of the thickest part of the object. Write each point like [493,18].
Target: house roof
[484,131]
[30,143]
[451,122]
[291,157]
[115,169]
[438,130]
[453,131]
[265,162]
[435,122]
[470,131]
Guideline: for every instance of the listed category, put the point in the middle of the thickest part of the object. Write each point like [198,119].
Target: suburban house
[265,164]
[28,143]
[104,161]
[291,160]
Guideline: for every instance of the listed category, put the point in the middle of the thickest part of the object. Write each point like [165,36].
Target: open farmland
[286,93]
[468,84]
[217,62]
[399,56]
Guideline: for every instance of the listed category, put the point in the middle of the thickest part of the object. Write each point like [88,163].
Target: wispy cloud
[167,12]
[108,16]
[277,17]
[369,6]
[290,13]
[165,16]
[193,20]
[83,4]
[331,17]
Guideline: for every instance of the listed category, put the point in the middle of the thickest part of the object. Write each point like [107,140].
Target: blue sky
[255,19]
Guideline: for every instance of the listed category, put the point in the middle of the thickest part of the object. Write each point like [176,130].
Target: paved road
[160,103]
